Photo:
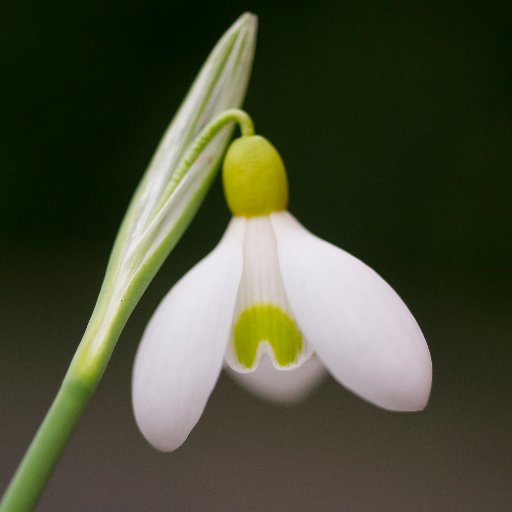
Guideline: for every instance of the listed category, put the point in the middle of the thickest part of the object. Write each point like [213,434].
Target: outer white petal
[286,387]
[181,352]
[356,323]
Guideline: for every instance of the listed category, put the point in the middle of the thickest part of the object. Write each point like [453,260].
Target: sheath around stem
[166,200]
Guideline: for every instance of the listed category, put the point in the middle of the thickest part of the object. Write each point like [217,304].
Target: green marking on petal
[267,322]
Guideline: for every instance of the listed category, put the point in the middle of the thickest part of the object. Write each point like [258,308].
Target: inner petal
[263,324]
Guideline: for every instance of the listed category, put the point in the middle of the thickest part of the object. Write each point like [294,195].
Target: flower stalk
[169,195]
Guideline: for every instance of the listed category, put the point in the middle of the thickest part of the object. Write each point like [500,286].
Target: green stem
[105,327]
[201,141]
[48,444]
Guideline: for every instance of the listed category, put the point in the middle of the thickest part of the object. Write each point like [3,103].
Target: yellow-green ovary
[267,322]
[254,178]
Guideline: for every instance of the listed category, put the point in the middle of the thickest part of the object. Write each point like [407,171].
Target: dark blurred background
[395,122]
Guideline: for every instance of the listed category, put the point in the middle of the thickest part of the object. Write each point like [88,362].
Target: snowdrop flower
[274,304]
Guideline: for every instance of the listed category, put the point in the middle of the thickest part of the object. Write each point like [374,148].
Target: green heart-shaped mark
[267,322]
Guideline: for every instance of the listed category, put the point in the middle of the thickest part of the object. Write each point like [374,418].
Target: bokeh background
[395,121]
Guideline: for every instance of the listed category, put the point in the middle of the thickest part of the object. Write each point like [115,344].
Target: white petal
[357,324]
[285,387]
[181,352]
[262,308]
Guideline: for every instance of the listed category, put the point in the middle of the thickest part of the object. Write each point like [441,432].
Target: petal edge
[286,387]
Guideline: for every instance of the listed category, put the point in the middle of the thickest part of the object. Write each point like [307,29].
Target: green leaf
[154,222]
[150,228]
